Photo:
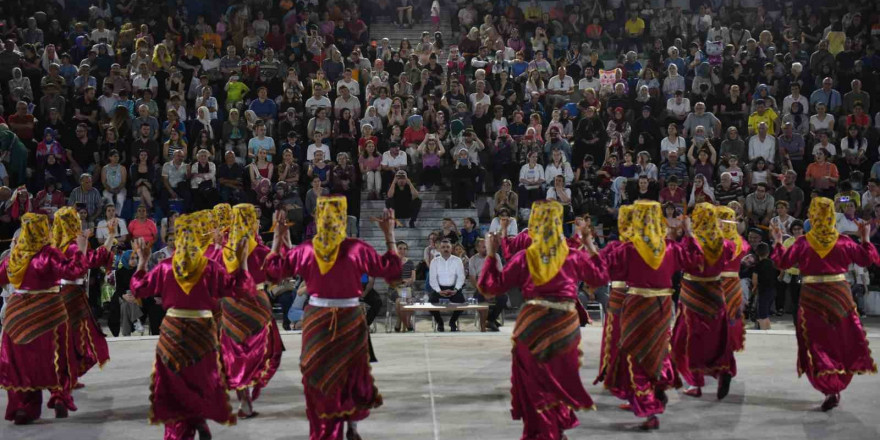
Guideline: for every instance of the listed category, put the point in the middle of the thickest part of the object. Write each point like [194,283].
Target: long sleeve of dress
[387,265]
[495,282]
[861,254]
[99,257]
[284,264]
[238,284]
[66,268]
[591,269]
[688,254]
[145,284]
[510,246]
[785,258]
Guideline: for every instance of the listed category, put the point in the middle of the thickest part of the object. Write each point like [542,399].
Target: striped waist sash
[547,330]
[831,300]
[615,298]
[334,340]
[30,316]
[645,334]
[184,341]
[75,302]
[244,317]
[733,297]
[703,297]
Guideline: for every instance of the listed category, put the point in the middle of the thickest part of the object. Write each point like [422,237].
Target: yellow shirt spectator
[634,28]
[235,90]
[768,117]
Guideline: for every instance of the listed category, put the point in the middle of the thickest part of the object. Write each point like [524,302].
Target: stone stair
[434,209]
[383,27]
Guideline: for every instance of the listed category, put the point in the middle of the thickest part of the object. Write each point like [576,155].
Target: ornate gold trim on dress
[690,277]
[566,306]
[807,279]
[189,313]
[648,292]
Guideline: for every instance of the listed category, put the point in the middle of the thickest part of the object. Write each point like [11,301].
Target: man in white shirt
[498,224]
[346,100]
[317,100]
[763,145]
[559,88]
[446,277]
[589,81]
[347,81]
[318,145]
[678,106]
[475,267]
[795,97]
[479,97]
[393,160]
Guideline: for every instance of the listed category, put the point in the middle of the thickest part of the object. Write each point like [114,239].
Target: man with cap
[403,198]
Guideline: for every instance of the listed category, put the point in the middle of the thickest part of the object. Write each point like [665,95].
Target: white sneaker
[138,327]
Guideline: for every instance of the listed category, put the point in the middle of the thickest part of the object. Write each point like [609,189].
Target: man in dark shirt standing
[230,176]
[83,151]
[144,142]
[403,198]
[791,193]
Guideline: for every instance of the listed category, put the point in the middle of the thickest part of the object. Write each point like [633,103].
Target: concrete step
[399,233]
[425,213]
[427,224]
[379,205]
[424,195]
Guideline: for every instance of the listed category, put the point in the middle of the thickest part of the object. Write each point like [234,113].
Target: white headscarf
[203,115]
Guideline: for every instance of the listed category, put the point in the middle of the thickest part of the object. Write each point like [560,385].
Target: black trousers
[155,312]
[408,210]
[794,289]
[372,299]
[435,298]
[496,305]
[286,302]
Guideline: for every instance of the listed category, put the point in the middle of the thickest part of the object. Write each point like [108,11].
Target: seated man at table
[446,277]
[496,303]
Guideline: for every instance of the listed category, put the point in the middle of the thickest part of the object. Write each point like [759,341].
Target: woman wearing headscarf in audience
[832,345]
[609,360]
[84,333]
[249,338]
[647,264]
[188,384]
[34,351]
[730,284]
[546,387]
[700,342]
[335,367]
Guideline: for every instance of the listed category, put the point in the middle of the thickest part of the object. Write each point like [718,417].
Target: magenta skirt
[701,344]
[85,337]
[830,354]
[609,362]
[254,362]
[196,392]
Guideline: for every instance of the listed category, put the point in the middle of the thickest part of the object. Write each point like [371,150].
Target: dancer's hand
[491,244]
[387,223]
[140,248]
[243,254]
[82,241]
[280,230]
[587,241]
[865,231]
[776,234]
[505,223]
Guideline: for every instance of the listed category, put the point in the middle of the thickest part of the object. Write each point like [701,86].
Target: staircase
[434,210]
[383,27]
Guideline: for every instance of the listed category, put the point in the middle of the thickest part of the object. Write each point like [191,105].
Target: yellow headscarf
[708,232]
[330,219]
[624,223]
[204,220]
[66,228]
[548,250]
[223,216]
[189,259]
[727,216]
[34,236]
[823,235]
[649,232]
[244,219]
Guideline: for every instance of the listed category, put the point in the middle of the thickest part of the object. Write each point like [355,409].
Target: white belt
[77,282]
[55,289]
[330,302]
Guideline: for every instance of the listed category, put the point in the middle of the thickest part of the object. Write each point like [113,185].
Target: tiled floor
[456,387]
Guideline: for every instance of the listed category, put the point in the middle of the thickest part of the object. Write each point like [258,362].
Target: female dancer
[84,335]
[249,338]
[335,357]
[188,385]
[647,263]
[832,346]
[700,341]
[546,386]
[609,362]
[34,350]
[730,284]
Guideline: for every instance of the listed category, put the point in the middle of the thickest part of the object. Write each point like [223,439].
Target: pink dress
[701,344]
[832,346]
[249,337]
[335,357]
[646,369]
[609,360]
[85,335]
[546,386]
[733,296]
[188,384]
[34,351]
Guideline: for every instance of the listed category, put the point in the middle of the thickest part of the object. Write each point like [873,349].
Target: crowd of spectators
[143,111]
